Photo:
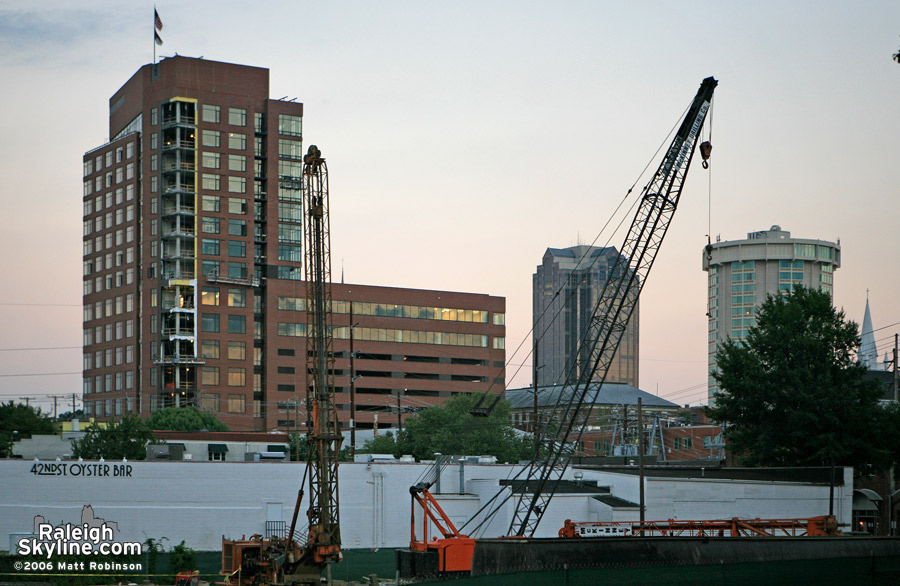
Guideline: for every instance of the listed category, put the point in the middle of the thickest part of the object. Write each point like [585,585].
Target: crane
[615,305]
[296,558]
[538,480]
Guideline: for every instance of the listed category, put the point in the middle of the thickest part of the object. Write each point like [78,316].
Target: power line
[35,349]
[41,374]
[40,305]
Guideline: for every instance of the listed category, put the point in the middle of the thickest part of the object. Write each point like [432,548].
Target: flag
[157,21]
[157,38]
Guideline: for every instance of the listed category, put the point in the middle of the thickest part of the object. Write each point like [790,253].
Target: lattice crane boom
[611,314]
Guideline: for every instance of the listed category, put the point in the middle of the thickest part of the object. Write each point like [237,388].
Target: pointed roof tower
[868,355]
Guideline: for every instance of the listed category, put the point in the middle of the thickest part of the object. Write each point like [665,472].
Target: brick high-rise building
[192,255]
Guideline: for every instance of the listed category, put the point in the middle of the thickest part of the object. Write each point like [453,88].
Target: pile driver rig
[300,556]
[538,480]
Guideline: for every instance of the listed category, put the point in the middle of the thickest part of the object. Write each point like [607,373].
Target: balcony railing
[184,273]
[180,359]
[248,281]
[171,306]
[175,231]
[175,210]
[179,166]
[178,331]
[179,144]
[173,119]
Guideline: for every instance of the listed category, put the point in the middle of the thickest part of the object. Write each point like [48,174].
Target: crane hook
[705,150]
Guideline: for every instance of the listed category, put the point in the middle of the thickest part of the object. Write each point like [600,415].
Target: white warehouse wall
[198,502]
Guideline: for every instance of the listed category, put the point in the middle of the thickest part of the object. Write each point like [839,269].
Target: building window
[237,116]
[211,113]
[290,234]
[290,253]
[237,324]
[209,375]
[209,267]
[237,377]
[237,248]
[209,225]
[289,169]
[210,322]
[209,246]
[237,141]
[237,350]
[237,298]
[235,402]
[290,125]
[211,138]
[290,149]
[237,205]
[209,296]
[237,184]
[209,402]
[210,160]
[209,349]
[499,343]
[210,203]
[237,227]
[211,182]
[290,212]
[237,163]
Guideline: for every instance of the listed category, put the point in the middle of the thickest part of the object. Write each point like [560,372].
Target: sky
[464,138]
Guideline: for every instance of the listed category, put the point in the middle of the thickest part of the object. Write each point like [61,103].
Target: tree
[182,559]
[449,428]
[382,444]
[18,422]
[70,415]
[185,419]
[793,394]
[127,438]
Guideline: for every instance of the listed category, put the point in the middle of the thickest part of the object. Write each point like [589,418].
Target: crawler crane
[539,479]
[298,557]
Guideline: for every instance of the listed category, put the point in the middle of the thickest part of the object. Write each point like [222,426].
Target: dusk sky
[464,138]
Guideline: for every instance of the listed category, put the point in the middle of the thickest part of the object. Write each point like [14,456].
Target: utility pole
[73,402]
[27,400]
[640,429]
[352,390]
[534,414]
[399,412]
[896,344]
[54,397]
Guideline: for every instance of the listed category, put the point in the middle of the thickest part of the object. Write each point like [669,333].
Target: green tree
[184,419]
[18,422]
[70,415]
[385,443]
[127,438]
[450,428]
[182,559]
[794,395]
[298,449]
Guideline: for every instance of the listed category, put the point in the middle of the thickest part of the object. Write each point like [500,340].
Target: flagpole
[154,34]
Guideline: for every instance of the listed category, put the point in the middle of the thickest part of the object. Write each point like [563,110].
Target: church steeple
[868,354]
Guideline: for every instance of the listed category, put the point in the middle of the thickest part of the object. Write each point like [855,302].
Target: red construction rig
[825,525]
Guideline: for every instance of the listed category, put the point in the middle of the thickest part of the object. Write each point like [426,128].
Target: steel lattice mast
[324,432]
[617,301]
